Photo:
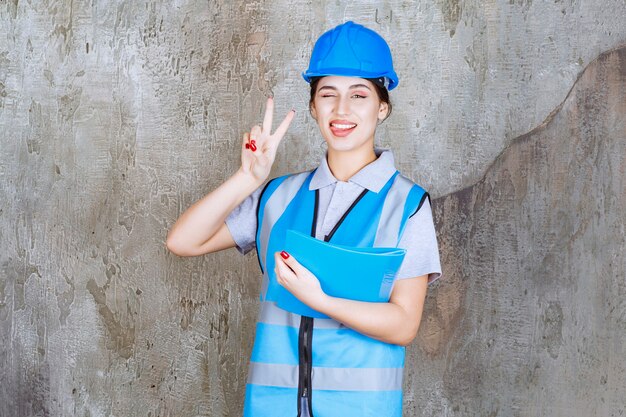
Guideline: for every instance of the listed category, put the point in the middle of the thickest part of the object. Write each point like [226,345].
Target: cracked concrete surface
[115,116]
[530,320]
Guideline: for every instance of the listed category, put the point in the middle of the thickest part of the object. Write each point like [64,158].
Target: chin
[343,146]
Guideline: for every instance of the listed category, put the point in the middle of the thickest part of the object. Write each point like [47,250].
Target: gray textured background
[116,116]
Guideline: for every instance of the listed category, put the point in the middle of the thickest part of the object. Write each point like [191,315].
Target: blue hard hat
[352,50]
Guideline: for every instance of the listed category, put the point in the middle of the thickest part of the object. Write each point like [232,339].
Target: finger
[284,125]
[283,268]
[279,277]
[255,133]
[245,141]
[255,138]
[269,114]
[291,262]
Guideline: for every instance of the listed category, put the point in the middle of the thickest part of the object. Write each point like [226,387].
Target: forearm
[204,218]
[394,322]
[387,322]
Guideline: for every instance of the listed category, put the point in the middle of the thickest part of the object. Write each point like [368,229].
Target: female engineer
[351,363]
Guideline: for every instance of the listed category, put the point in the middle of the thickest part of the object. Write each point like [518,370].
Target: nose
[343,105]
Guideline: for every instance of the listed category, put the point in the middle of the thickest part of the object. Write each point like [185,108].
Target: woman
[351,363]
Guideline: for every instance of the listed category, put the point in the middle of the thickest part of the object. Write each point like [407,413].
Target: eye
[359,94]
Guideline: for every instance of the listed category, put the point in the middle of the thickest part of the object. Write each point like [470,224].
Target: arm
[201,228]
[396,321]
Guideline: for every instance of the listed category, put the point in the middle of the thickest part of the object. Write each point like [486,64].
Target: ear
[383,111]
[313,111]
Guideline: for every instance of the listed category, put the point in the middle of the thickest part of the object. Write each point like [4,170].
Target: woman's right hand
[201,228]
[259,146]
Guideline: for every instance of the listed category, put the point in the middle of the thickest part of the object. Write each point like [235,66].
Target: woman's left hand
[394,322]
[298,280]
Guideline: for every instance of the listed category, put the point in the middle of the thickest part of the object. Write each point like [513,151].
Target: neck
[344,165]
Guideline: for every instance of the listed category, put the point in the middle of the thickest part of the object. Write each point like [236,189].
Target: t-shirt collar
[373,176]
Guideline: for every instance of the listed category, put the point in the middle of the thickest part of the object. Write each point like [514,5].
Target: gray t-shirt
[335,197]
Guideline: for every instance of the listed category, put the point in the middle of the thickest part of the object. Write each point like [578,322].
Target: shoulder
[287,180]
[416,195]
[292,176]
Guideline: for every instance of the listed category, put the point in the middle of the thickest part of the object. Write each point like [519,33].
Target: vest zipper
[305,340]
[305,337]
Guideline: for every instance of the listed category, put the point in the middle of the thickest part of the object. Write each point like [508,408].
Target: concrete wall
[116,116]
[532,318]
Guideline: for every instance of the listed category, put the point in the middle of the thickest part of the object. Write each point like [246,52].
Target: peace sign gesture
[259,146]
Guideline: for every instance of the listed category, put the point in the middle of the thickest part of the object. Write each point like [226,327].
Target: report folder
[363,274]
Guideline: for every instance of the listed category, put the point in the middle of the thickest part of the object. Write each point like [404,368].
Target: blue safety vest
[336,370]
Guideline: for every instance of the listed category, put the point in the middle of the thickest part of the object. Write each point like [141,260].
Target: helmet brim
[391,77]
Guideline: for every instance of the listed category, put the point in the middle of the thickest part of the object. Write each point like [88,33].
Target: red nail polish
[284,254]
[247,146]
[253,147]
[253,142]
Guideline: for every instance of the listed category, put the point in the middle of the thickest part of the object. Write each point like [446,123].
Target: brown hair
[383,94]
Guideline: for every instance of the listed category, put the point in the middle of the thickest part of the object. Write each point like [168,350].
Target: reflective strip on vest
[335,379]
[274,208]
[387,233]
[276,205]
[272,314]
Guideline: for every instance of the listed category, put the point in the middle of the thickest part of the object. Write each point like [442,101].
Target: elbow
[406,337]
[171,246]
[406,340]
[176,246]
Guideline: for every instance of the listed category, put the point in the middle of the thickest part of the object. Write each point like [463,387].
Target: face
[347,111]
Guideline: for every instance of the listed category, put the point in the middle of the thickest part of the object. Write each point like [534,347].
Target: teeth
[339,126]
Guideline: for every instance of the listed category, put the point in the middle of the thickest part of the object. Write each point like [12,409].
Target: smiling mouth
[343,126]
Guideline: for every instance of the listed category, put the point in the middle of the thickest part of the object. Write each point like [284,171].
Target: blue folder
[363,274]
